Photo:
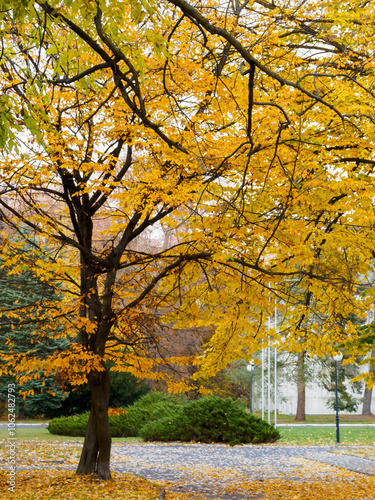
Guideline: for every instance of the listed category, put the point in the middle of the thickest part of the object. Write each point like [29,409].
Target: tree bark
[366,408]
[21,411]
[96,451]
[301,388]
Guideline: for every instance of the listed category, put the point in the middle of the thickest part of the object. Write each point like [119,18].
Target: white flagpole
[262,383]
[269,375]
[275,367]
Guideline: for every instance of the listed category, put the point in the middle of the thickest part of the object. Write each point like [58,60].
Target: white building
[316,397]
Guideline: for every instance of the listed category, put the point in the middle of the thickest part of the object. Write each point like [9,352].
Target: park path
[214,471]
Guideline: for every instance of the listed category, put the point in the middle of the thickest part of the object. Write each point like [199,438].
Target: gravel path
[211,469]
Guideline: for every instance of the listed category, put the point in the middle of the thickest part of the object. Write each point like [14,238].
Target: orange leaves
[53,483]
[84,324]
[74,364]
[71,365]
[153,204]
[116,411]
[145,365]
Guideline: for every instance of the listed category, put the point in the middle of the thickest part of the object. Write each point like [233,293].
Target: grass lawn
[289,435]
[25,421]
[326,435]
[281,419]
[41,433]
[321,419]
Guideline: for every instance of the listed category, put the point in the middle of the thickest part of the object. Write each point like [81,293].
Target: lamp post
[250,369]
[337,357]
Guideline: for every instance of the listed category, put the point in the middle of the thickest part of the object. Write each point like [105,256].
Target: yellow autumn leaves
[212,188]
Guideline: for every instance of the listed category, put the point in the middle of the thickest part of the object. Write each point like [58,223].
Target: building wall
[316,399]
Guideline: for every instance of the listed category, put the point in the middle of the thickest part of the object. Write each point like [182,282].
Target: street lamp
[337,357]
[250,369]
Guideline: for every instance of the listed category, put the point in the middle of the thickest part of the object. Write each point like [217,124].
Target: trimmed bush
[124,425]
[127,423]
[211,420]
[148,408]
[154,406]
[160,417]
[165,429]
[75,425]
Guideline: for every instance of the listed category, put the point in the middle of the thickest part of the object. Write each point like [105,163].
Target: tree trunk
[21,411]
[301,388]
[366,408]
[96,451]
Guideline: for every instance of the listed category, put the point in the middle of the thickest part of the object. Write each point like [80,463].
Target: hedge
[160,417]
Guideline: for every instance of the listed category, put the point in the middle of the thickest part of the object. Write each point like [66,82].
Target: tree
[325,375]
[367,397]
[301,388]
[346,402]
[252,146]
[365,346]
[93,155]
[306,174]
[24,291]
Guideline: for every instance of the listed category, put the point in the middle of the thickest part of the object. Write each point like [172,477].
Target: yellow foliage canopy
[189,166]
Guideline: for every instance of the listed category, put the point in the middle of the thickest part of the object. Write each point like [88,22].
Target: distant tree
[366,346]
[126,389]
[345,373]
[20,336]
[301,387]
[367,396]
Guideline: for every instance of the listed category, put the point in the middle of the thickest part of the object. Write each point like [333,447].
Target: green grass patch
[326,435]
[321,419]
[26,421]
[289,435]
[41,434]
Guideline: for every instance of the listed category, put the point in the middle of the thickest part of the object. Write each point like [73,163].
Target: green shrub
[151,405]
[210,420]
[75,425]
[160,417]
[154,406]
[124,425]
[167,428]
[148,408]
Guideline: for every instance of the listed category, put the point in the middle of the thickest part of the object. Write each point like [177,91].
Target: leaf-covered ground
[362,452]
[49,474]
[66,485]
